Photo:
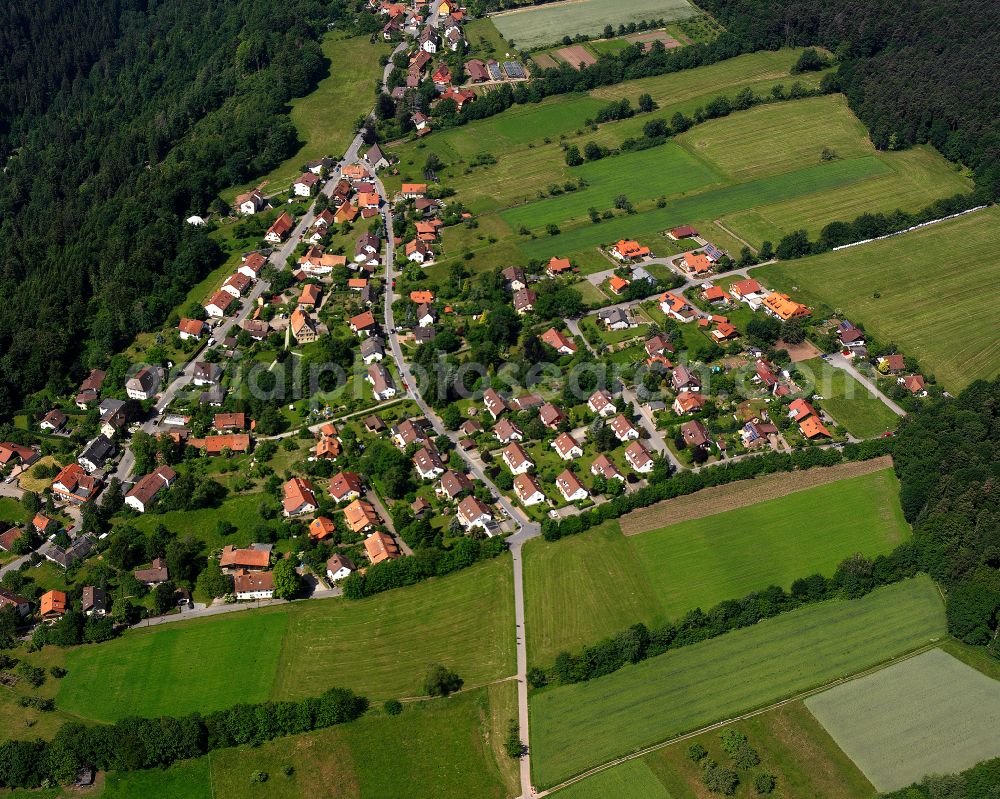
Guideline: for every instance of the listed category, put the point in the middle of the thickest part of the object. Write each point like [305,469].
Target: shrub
[393,707]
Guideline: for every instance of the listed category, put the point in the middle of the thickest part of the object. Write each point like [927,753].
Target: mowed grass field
[443,749]
[577,726]
[792,746]
[931,714]
[669,169]
[932,283]
[536,27]
[379,647]
[849,402]
[584,588]
[325,118]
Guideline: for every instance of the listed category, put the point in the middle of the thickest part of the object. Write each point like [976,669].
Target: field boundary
[743,716]
[743,493]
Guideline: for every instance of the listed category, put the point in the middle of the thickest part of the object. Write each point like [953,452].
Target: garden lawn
[325,118]
[240,510]
[533,27]
[175,669]
[440,748]
[931,714]
[12,511]
[709,204]
[574,727]
[849,402]
[930,285]
[643,175]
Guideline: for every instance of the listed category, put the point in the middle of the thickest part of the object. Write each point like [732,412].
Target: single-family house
[147,487]
[299,497]
[783,307]
[338,567]
[603,466]
[144,384]
[156,573]
[453,485]
[360,516]
[219,304]
[383,386]
[623,429]
[250,586]
[363,324]
[639,458]
[618,285]
[524,301]
[696,264]
[376,158]
[570,487]
[249,203]
[676,307]
[551,416]
[90,389]
[695,435]
[74,485]
[683,379]
[473,512]
[749,291]
[915,384]
[305,184]
[515,277]
[253,264]
[8,599]
[380,547]
[53,605]
[602,403]
[419,252]
[254,558]
[558,341]
[280,228]
[683,232]
[566,447]
[558,266]
[236,284]
[628,250]
[206,373]
[96,453]
[812,428]
[428,463]
[517,459]
[494,403]
[372,350]
[191,328]
[528,491]
[688,402]
[53,421]
[506,431]
[615,319]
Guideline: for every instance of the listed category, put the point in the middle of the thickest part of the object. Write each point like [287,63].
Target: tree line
[855,577]
[140,743]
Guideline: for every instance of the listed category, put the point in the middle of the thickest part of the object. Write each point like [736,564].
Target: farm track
[718,499]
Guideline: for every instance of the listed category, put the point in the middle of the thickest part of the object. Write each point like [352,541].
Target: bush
[697,752]
[512,744]
[764,783]
[393,707]
[441,681]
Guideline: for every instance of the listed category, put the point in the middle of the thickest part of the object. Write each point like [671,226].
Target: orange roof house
[421,297]
[813,428]
[783,307]
[627,249]
[716,294]
[233,558]
[380,546]
[559,342]
[321,527]
[53,604]
[696,264]
[618,284]
[558,266]
[327,447]
[346,213]
[298,497]
[414,190]
[360,515]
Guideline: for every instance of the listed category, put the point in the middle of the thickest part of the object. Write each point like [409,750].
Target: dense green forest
[948,460]
[117,121]
[914,71]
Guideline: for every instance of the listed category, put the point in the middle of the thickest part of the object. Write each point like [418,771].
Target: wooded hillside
[117,121]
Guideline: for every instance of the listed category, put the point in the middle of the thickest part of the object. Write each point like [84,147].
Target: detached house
[528,491]
[603,466]
[376,158]
[494,403]
[345,486]
[517,459]
[338,567]
[96,453]
[146,488]
[298,497]
[381,381]
[53,421]
[253,264]
[144,384]
[473,512]
[695,435]
[524,301]
[551,416]
[676,307]
[570,487]
[559,342]
[419,252]
[428,463]
[683,379]
[623,429]
[74,485]
[363,324]
[516,280]
[191,328]
[303,187]
[253,585]
[380,547]
[639,458]
[749,291]
[249,203]
[602,403]
[506,431]
[453,485]
[280,228]
[219,304]
[566,447]
[782,307]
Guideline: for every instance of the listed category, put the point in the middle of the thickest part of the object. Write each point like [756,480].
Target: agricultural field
[590,586]
[577,726]
[849,402]
[325,118]
[895,288]
[669,169]
[931,714]
[440,748]
[792,745]
[538,26]
[379,647]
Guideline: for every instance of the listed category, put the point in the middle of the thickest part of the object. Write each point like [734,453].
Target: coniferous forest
[118,119]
